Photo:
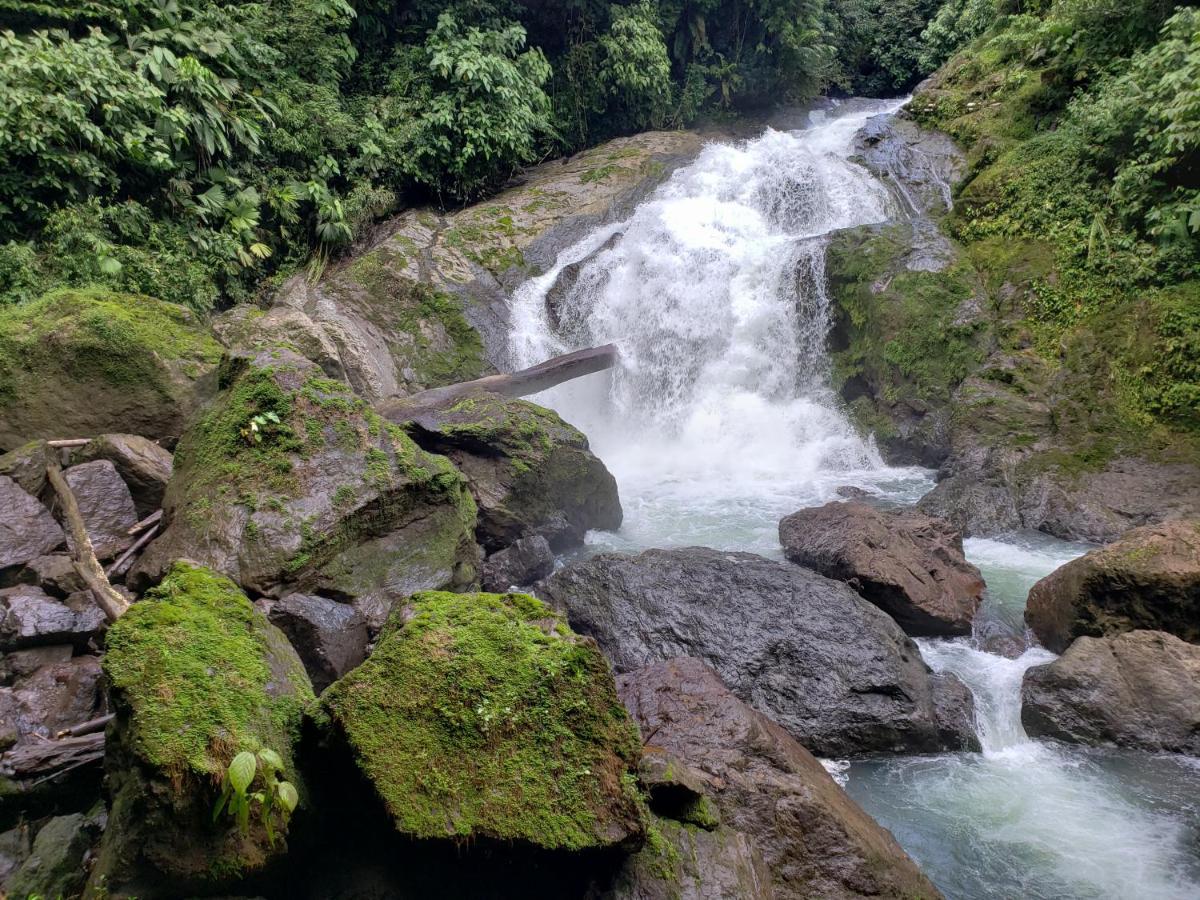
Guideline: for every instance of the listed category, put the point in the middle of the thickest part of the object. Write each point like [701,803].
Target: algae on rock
[196,675]
[484,716]
[89,361]
[291,481]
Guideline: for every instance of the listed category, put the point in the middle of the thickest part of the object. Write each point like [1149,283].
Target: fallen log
[537,378]
[36,760]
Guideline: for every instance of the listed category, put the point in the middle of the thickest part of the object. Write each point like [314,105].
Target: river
[719,421]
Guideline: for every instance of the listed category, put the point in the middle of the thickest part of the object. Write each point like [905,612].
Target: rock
[55,868]
[19,663]
[27,464]
[921,166]
[329,499]
[54,573]
[53,697]
[809,652]
[76,363]
[27,530]
[523,562]
[559,309]
[234,684]
[500,681]
[14,850]
[330,637]
[908,564]
[530,472]
[29,618]
[105,505]
[142,464]
[1140,689]
[1149,579]
[815,840]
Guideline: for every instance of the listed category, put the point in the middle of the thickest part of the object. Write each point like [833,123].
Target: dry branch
[39,759]
[84,557]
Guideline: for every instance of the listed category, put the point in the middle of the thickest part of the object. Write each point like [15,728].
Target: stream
[719,421]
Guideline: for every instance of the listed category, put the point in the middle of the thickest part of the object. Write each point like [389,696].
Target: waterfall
[714,290]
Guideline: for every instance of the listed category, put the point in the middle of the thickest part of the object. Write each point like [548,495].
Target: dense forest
[188,149]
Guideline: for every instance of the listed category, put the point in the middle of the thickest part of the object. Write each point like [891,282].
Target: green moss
[483,715]
[193,663]
[97,336]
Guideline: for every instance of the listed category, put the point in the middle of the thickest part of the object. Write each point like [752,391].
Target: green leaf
[241,771]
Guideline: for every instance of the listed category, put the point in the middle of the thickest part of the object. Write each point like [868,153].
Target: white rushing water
[719,420]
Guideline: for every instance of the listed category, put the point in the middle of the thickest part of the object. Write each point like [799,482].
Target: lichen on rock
[88,361]
[484,716]
[196,675]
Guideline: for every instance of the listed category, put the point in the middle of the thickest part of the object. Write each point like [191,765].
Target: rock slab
[805,650]
[1140,689]
[27,530]
[908,564]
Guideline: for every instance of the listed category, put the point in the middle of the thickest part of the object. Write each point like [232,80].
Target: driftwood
[69,442]
[91,726]
[119,567]
[37,760]
[151,519]
[84,557]
[515,384]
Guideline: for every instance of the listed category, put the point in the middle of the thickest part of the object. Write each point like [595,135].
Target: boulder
[105,505]
[27,530]
[143,465]
[814,840]
[499,681]
[29,617]
[330,637]
[1140,689]
[54,573]
[76,363]
[234,683]
[54,696]
[1149,579]
[27,464]
[290,482]
[807,651]
[908,564]
[523,562]
[530,472]
[921,166]
[55,865]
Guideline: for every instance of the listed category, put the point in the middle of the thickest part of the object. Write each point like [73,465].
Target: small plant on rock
[258,426]
[275,797]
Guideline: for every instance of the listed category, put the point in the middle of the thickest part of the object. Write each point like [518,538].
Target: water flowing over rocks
[814,840]
[1149,579]
[832,669]
[909,565]
[1140,689]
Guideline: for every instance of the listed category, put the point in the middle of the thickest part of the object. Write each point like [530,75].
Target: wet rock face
[290,482]
[30,618]
[143,465]
[47,690]
[55,865]
[27,530]
[501,682]
[529,471]
[807,651]
[774,799]
[1149,579]
[1140,689]
[330,637]
[909,565]
[521,563]
[105,505]
[921,166]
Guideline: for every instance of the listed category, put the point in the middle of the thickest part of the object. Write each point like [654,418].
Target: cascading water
[719,420]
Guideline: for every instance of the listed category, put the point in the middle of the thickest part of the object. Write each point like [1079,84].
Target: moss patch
[483,715]
[193,664]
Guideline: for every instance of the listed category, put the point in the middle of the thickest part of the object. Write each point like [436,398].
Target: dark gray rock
[920,166]
[20,663]
[54,867]
[144,466]
[14,850]
[329,637]
[814,840]
[908,564]
[53,697]
[105,505]
[524,562]
[29,617]
[1149,579]
[54,573]
[27,464]
[27,530]
[1140,689]
[809,652]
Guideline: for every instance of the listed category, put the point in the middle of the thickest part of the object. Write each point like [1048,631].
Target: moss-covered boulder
[196,675]
[484,716]
[530,472]
[290,481]
[82,362]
